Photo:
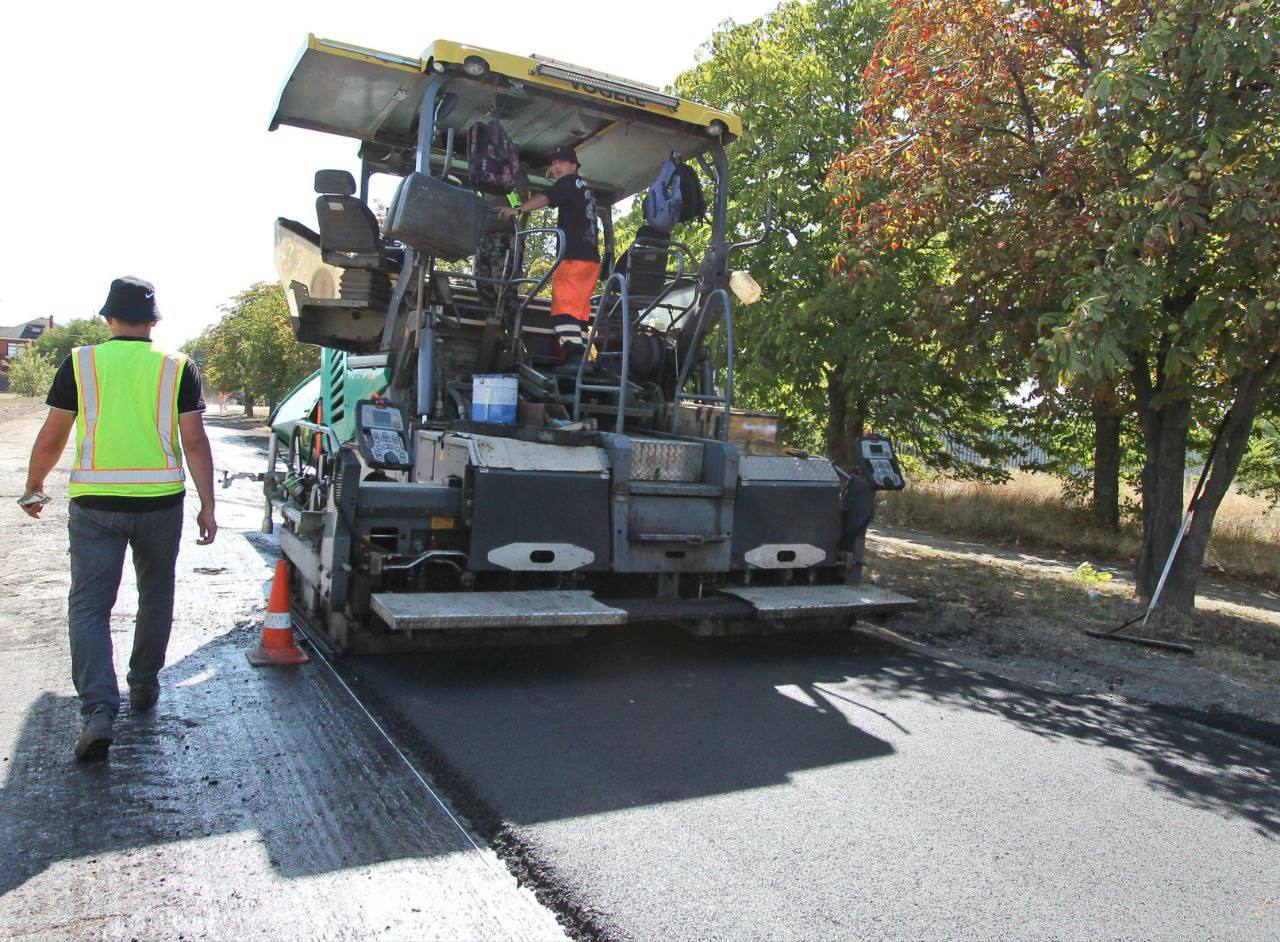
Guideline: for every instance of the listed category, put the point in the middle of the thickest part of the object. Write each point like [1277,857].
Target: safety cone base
[260,656]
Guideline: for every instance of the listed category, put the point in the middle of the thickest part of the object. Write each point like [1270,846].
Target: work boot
[570,365]
[95,737]
[142,699]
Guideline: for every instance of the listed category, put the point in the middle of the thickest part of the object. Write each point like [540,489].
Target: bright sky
[136,134]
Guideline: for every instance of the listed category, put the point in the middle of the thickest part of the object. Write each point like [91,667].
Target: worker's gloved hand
[33,502]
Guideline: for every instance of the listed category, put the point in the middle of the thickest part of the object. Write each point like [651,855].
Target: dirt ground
[1024,616]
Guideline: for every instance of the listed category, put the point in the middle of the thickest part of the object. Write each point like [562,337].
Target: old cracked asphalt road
[653,786]
[251,805]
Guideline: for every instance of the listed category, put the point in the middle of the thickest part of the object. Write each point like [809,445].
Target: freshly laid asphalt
[666,787]
[646,784]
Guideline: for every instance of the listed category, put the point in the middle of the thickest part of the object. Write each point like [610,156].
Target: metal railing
[603,317]
[682,372]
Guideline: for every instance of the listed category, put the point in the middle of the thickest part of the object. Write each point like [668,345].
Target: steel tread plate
[655,459]
[443,611]
[786,468]
[781,602]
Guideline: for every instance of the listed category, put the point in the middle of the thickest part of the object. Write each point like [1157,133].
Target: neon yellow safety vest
[127,442]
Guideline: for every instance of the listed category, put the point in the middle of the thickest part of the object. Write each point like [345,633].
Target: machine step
[807,601]
[446,611]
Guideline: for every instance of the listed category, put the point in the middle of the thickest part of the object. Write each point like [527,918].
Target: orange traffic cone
[277,645]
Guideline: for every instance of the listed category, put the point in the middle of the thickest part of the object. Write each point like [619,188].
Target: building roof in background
[26,331]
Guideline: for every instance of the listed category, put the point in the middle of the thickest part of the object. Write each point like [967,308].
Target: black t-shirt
[577,206]
[62,395]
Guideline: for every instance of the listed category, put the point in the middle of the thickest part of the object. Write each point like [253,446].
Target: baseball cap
[565,152]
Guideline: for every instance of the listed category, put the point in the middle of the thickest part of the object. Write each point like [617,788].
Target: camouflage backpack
[493,160]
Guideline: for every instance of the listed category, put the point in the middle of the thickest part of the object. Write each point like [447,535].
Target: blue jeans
[98,541]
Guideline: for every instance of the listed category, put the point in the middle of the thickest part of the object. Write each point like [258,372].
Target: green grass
[1029,511]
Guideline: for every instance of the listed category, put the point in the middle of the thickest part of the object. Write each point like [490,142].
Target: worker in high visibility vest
[137,412]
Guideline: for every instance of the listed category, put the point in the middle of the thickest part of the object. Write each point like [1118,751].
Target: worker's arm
[46,452]
[195,446]
[534,202]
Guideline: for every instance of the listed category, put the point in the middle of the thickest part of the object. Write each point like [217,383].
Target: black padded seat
[645,264]
[349,236]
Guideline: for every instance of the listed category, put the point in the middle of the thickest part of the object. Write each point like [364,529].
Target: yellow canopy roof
[622,130]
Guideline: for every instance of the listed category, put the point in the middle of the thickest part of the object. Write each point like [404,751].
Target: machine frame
[630,490]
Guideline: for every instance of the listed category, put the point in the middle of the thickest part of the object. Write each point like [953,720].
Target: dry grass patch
[1042,601]
[1030,511]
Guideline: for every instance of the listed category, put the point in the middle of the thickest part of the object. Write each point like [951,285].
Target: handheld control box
[381,435]
[879,464]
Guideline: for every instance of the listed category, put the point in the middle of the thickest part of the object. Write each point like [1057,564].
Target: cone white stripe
[277,620]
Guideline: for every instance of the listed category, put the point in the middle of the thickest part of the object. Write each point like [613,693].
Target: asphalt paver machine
[627,490]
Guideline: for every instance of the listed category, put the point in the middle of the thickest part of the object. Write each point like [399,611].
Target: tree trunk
[855,426]
[837,417]
[248,404]
[1106,463]
[1164,430]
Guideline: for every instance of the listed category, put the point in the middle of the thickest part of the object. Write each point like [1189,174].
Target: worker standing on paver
[130,403]
[574,280]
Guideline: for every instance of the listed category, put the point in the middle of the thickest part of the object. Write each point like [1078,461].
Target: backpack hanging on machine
[692,203]
[663,201]
[493,160]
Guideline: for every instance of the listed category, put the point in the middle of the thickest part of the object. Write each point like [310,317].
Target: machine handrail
[515,267]
[596,324]
[682,375]
[335,444]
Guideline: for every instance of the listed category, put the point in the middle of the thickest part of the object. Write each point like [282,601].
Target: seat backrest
[645,264]
[348,229]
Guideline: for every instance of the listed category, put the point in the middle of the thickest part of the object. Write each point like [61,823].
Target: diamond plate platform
[655,459]
[444,611]
[786,468]
[782,602]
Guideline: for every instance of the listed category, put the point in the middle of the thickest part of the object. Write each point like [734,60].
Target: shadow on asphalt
[278,755]
[612,722]
[1232,776]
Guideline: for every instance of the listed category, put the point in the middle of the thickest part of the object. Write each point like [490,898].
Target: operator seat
[348,229]
[350,240]
[645,265]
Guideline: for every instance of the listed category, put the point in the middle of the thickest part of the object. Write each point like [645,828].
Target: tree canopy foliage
[32,370]
[252,350]
[1103,179]
[825,352]
[57,342]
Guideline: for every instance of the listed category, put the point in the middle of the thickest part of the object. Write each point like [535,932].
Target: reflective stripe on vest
[166,407]
[95,476]
[89,396]
[153,460]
